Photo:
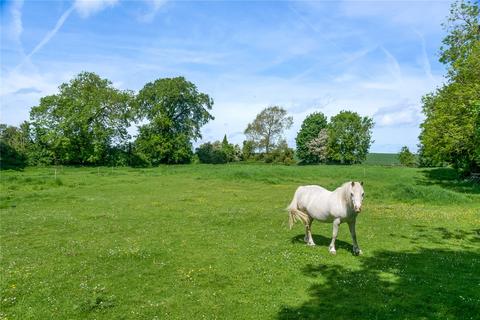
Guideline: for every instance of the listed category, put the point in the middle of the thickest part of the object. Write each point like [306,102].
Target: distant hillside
[382,159]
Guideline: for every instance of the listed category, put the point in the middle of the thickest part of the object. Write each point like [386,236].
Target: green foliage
[425,160]
[83,121]
[212,153]
[175,112]
[451,130]
[311,127]
[349,137]
[318,146]
[267,128]
[406,158]
[463,34]
[232,151]
[218,152]
[128,243]
[14,146]
[281,154]
[11,158]
[157,146]
[248,148]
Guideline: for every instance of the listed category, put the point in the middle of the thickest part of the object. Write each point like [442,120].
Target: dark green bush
[211,153]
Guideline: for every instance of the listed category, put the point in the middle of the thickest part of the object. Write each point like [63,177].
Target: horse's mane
[345,190]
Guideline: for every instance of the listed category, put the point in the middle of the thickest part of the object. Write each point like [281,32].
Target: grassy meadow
[212,242]
[382,159]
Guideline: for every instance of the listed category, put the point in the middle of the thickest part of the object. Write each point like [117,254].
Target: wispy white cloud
[424,57]
[400,114]
[52,32]
[18,83]
[393,65]
[406,14]
[19,91]
[170,56]
[16,25]
[153,7]
[86,8]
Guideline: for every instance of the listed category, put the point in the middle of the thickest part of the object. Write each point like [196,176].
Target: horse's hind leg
[308,232]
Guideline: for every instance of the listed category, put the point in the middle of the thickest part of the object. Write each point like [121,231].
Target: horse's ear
[353,184]
[361,183]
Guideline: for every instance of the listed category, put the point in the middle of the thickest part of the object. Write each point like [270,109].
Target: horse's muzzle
[357,210]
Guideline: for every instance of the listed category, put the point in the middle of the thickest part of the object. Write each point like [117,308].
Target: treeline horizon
[86,122]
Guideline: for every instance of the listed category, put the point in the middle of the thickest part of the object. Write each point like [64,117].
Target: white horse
[341,205]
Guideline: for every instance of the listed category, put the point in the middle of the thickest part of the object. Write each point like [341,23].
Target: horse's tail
[294,213]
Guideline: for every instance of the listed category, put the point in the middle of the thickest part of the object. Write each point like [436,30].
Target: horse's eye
[363,194]
[351,194]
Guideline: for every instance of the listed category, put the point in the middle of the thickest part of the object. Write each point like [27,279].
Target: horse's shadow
[321,241]
[424,284]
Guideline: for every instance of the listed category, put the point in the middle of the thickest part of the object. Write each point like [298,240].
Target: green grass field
[212,242]
[382,159]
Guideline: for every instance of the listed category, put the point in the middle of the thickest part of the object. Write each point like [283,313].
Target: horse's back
[313,189]
[315,200]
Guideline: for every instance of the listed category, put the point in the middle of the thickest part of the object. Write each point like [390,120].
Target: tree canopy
[83,121]
[451,130]
[175,111]
[349,137]
[268,127]
[310,130]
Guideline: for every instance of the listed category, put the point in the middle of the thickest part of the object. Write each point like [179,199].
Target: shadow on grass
[449,179]
[439,235]
[426,284]
[321,241]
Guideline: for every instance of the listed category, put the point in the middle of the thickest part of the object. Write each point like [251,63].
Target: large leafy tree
[451,130]
[349,137]
[174,111]
[83,122]
[268,127]
[310,130]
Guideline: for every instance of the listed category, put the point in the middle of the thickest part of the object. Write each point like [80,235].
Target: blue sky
[376,58]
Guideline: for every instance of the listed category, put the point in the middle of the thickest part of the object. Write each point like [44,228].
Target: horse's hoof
[334,252]
[357,252]
[310,244]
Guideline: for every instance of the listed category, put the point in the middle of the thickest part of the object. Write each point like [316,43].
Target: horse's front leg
[331,248]
[356,248]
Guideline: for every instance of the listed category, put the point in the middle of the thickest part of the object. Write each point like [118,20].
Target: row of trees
[451,131]
[87,123]
[346,139]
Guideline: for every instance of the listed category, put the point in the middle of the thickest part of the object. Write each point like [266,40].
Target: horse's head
[356,195]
